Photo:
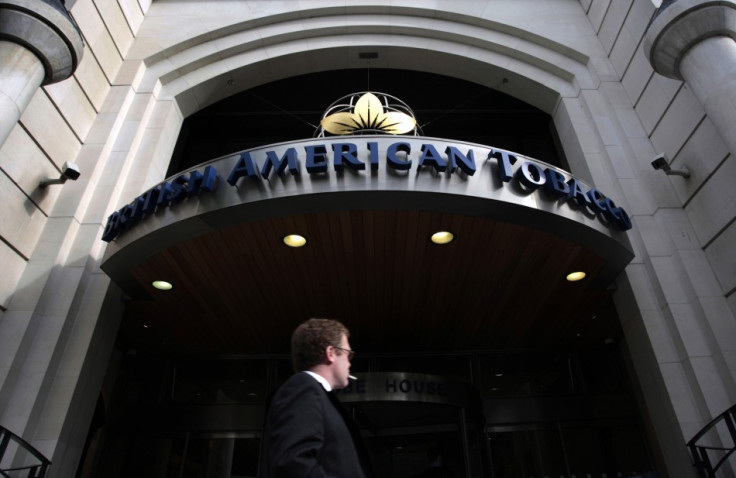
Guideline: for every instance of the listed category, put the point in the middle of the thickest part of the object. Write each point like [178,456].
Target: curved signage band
[408,387]
[366,172]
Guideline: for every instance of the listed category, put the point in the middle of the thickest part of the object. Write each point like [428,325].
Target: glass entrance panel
[588,449]
[419,455]
[419,440]
[220,458]
[527,453]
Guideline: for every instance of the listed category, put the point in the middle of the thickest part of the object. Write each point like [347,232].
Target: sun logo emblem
[367,113]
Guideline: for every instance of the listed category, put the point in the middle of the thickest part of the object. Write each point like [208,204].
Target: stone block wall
[676,125]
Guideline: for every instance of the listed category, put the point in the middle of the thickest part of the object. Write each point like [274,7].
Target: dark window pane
[220,381]
[535,374]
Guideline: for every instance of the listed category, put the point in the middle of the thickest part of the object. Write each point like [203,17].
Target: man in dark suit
[308,434]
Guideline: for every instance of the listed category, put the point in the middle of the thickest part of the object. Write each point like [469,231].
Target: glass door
[420,440]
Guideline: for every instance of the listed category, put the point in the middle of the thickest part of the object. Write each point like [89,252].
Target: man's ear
[330,354]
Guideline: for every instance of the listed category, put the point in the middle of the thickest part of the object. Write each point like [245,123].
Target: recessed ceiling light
[442,237]
[295,240]
[575,276]
[162,285]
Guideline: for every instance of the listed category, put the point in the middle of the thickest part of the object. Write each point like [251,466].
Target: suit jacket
[308,434]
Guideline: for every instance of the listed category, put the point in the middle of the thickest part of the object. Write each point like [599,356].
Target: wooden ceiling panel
[242,291]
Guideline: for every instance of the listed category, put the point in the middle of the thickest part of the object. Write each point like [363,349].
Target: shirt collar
[323,381]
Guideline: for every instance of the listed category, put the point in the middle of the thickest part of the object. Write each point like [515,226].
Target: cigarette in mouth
[352,377]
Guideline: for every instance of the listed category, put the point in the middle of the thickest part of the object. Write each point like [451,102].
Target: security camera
[68,171]
[660,161]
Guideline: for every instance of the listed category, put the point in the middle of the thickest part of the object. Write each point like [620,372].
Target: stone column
[40,45]
[693,41]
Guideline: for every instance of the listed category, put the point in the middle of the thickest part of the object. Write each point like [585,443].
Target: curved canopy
[367,206]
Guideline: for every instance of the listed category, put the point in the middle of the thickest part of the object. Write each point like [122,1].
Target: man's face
[342,364]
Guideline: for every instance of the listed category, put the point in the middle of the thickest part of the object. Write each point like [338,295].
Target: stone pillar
[40,45]
[693,41]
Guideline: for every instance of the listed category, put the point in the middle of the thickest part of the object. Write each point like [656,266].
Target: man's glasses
[351,353]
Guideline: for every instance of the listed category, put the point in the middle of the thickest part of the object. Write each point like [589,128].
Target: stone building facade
[109,86]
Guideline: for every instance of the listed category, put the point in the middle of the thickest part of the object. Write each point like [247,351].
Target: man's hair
[310,339]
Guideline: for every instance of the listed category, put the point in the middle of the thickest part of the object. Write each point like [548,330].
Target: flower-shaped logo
[368,115]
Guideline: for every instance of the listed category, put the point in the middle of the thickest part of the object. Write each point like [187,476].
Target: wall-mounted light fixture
[68,171]
[661,161]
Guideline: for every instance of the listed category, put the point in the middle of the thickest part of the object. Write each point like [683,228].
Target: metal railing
[710,447]
[34,464]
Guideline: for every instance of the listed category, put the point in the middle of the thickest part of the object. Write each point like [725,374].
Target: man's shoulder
[298,390]
[301,377]
[300,381]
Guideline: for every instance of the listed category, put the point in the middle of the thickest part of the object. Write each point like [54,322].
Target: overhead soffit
[239,290]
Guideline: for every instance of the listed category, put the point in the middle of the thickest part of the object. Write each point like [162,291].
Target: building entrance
[417,440]
[518,414]
[419,425]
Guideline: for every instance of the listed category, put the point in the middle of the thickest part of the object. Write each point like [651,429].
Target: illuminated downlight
[162,285]
[442,237]
[294,240]
[575,276]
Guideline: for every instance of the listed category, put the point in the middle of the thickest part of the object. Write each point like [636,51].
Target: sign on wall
[373,163]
